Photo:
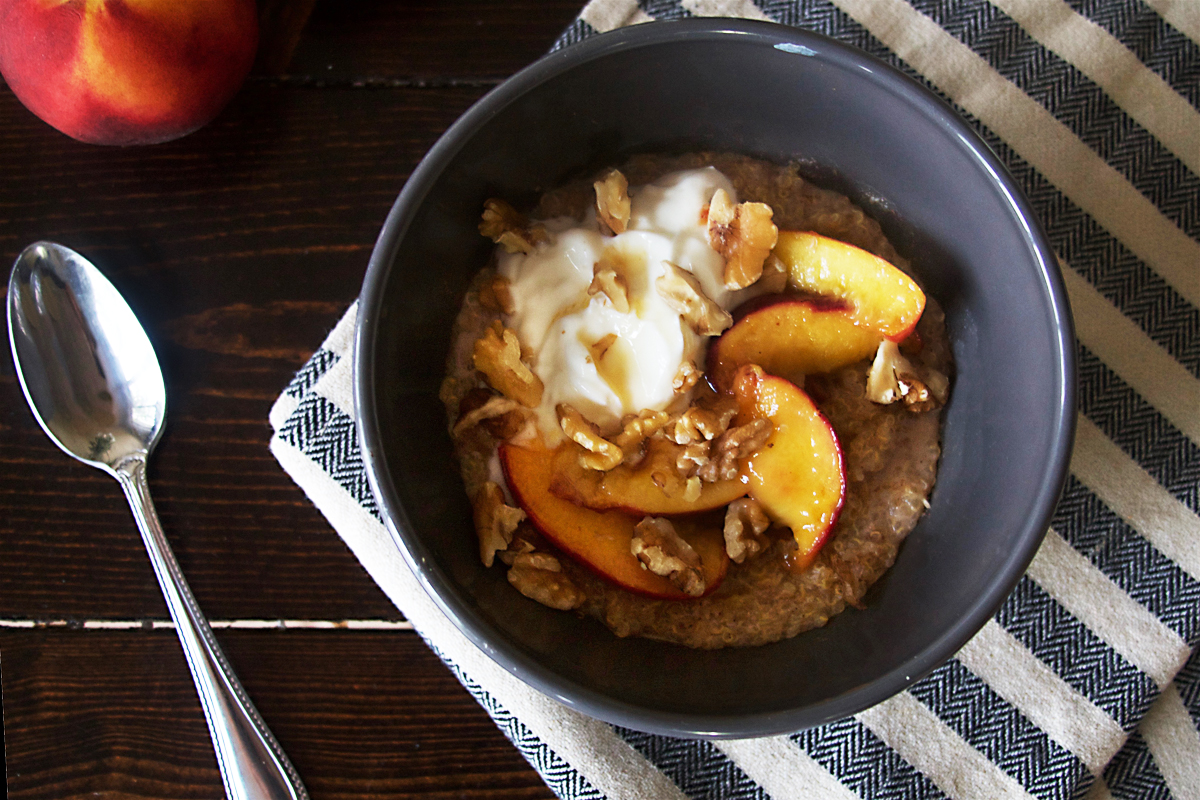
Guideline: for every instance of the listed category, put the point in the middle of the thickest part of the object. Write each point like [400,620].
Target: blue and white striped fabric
[1087,681]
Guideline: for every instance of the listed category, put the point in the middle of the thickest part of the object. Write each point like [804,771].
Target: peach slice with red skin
[790,336]
[652,487]
[798,476]
[600,540]
[882,298]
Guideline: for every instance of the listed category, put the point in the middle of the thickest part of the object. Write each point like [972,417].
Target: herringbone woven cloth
[1086,682]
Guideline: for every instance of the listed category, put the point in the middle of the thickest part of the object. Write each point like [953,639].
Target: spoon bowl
[99,392]
[93,382]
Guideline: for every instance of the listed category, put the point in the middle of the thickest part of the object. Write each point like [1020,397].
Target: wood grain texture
[390,42]
[361,714]
[238,247]
[280,26]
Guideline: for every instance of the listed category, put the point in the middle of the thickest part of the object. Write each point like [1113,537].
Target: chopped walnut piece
[509,228]
[498,357]
[686,378]
[602,454]
[606,280]
[539,577]
[494,521]
[692,489]
[893,377]
[916,394]
[501,416]
[692,459]
[665,553]
[496,295]
[733,445]
[612,201]
[635,430]
[699,423]
[743,234]
[882,386]
[745,522]
[683,293]
[518,546]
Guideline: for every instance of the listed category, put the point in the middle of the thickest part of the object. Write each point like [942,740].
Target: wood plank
[426,41]
[361,714]
[238,247]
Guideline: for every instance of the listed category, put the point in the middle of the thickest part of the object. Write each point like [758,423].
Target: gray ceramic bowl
[943,198]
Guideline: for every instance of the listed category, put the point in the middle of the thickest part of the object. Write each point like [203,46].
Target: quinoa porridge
[605,416]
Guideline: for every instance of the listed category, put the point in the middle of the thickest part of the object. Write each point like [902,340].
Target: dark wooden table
[238,247]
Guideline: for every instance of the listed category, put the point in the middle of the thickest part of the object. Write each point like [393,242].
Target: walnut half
[610,283]
[665,553]
[498,356]
[635,430]
[683,293]
[701,424]
[509,228]
[893,377]
[602,454]
[539,577]
[733,445]
[745,522]
[744,234]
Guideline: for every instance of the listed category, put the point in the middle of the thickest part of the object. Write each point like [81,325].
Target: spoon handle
[252,764]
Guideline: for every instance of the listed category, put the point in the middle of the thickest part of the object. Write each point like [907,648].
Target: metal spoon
[91,377]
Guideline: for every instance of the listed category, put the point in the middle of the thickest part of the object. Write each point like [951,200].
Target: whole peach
[126,71]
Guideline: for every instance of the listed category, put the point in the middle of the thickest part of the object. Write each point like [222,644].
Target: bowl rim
[444,591]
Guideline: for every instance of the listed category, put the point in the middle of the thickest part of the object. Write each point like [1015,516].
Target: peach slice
[882,298]
[652,487]
[600,539]
[789,336]
[798,476]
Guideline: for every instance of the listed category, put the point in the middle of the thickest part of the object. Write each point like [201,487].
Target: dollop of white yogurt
[563,329]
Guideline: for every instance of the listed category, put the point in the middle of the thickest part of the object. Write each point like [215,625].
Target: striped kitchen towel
[1086,683]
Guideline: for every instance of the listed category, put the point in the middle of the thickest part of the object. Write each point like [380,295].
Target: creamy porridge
[632,374]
